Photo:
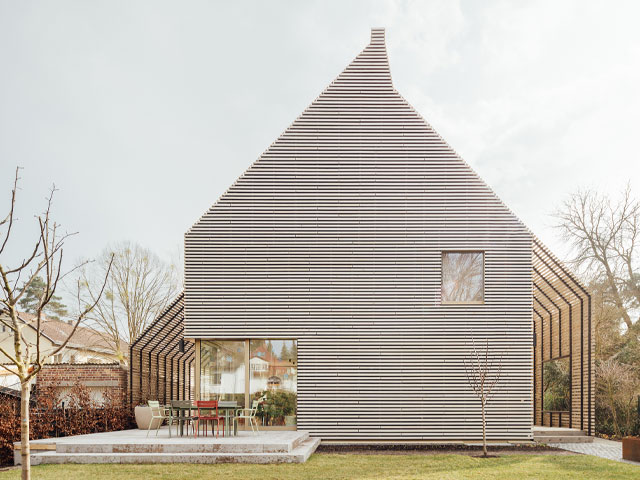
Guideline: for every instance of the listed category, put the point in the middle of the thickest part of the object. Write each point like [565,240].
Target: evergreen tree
[270,348]
[55,309]
[284,353]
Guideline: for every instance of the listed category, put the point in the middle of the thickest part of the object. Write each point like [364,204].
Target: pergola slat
[161,342]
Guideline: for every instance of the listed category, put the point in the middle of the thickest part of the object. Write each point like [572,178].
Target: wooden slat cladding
[563,327]
[334,237]
[158,369]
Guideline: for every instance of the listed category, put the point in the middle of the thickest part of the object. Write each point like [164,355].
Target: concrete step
[563,439]
[565,432]
[299,454]
[191,445]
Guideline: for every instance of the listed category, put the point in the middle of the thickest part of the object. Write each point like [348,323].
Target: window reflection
[274,377]
[462,277]
[556,385]
[271,370]
[222,370]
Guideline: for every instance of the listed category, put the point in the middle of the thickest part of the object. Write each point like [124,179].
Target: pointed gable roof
[358,126]
[358,174]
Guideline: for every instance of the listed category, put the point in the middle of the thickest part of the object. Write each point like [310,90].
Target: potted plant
[278,408]
[631,448]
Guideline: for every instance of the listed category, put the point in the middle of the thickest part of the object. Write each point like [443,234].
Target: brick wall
[98,378]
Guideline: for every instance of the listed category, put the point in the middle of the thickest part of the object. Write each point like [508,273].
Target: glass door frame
[247,376]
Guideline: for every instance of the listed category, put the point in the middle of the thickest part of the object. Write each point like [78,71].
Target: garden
[360,467]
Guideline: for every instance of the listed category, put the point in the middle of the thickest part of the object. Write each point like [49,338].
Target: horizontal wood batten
[334,237]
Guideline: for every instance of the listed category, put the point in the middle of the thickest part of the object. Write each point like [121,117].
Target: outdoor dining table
[227,408]
[182,413]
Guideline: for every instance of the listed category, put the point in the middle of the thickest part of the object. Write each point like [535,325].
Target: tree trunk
[614,414]
[484,432]
[24,431]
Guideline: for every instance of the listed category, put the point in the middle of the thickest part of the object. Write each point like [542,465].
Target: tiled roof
[83,338]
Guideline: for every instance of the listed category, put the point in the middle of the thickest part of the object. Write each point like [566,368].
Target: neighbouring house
[363,258]
[102,381]
[269,371]
[86,346]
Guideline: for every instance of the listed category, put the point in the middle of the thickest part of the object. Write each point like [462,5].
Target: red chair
[208,405]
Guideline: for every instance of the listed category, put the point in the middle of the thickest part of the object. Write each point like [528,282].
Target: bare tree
[605,234]
[45,260]
[139,288]
[483,375]
[610,339]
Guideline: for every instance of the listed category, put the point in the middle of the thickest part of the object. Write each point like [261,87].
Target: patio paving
[600,447]
[133,446]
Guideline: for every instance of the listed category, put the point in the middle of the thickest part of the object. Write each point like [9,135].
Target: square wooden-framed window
[462,277]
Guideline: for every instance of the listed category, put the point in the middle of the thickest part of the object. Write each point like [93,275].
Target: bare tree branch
[84,313]
[9,218]
[483,379]
[604,234]
[46,258]
[140,287]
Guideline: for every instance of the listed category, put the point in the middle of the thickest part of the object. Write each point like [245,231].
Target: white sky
[143,113]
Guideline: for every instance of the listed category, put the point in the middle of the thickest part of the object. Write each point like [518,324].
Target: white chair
[249,414]
[157,413]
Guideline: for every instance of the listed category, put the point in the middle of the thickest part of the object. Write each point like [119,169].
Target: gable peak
[377,36]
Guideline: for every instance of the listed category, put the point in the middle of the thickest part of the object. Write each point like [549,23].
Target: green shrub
[278,404]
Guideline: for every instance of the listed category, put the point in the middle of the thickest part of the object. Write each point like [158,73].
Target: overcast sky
[143,113]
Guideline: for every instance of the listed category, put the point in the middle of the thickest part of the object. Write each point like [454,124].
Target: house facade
[86,344]
[352,269]
[87,359]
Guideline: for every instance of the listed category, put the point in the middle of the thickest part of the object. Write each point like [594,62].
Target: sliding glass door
[274,377]
[222,370]
[247,370]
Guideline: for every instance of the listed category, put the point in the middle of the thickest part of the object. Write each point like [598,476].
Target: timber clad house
[347,275]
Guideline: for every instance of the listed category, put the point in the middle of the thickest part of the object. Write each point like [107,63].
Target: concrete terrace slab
[600,447]
[133,446]
[554,435]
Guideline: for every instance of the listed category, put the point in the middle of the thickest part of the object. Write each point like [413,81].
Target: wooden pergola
[161,361]
[562,329]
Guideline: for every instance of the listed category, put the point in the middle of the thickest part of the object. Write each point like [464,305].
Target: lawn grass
[358,467]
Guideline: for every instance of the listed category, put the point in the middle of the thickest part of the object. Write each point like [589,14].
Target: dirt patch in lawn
[426,449]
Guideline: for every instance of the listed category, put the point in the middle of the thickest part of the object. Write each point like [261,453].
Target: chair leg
[160,422]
